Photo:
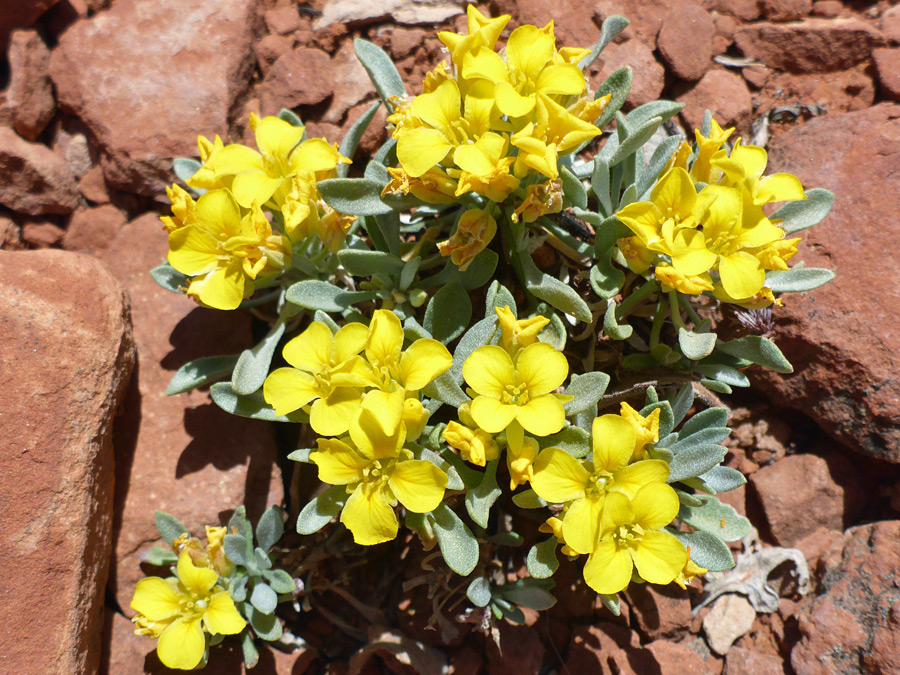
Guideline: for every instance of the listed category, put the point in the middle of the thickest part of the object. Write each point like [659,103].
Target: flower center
[627,535]
[515,394]
[599,483]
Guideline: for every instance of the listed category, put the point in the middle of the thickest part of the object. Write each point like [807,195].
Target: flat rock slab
[148,76]
[66,354]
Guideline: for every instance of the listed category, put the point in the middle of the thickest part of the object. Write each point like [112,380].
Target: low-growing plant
[500,317]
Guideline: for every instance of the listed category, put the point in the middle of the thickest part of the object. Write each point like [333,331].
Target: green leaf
[505,610]
[454,480]
[573,189]
[458,546]
[408,273]
[479,335]
[239,522]
[695,460]
[661,156]
[270,528]
[280,581]
[612,26]
[356,196]
[661,108]
[635,139]
[253,406]
[716,518]
[587,390]
[448,313]
[707,550]
[758,350]
[248,649]
[727,374]
[541,560]
[185,168]
[553,291]
[688,499]
[611,327]
[266,626]
[315,294]
[712,417]
[262,559]
[381,70]
[532,593]
[600,186]
[554,333]
[290,117]
[252,367]
[605,278]
[301,455]
[723,479]
[159,556]
[618,84]
[716,386]
[200,372]
[238,589]
[446,390]
[169,278]
[574,440]
[236,549]
[702,437]
[479,272]
[319,512]
[798,279]
[169,527]
[264,598]
[682,403]
[528,499]
[362,263]
[500,296]
[666,416]
[798,216]
[696,346]
[479,500]
[611,602]
[479,592]
[354,136]
[388,228]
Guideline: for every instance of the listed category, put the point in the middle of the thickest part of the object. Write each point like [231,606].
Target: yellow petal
[418,485]
[422,362]
[155,598]
[385,337]
[675,193]
[689,253]
[542,415]
[193,250]
[349,341]
[310,351]
[314,155]
[561,78]
[742,275]
[221,616]
[338,463]
[542,368]
[199,580]
[581,523]
[530,48]
[368,432]
[488,370]
[236,158]
[510,102]
[779,187]
[633,477]
[255,187]
[491,415]
[608,569]
[440,108]
[182,644]
[369,516]
[420,149]
[655,506]
[558,477]
[485,64]
[331,416]
[219,214]
[223,288]
[386,408]
[275,137]
[659,557]
[617,510]
[289,389]
[613,442]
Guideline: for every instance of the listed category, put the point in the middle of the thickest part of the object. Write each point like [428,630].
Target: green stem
[689,308]
[675,310]
[637,296]
[657,324]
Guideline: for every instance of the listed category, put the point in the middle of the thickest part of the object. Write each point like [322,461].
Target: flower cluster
[257,209]
[493,125]
[688,236]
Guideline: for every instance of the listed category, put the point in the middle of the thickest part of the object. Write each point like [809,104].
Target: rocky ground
[99,96]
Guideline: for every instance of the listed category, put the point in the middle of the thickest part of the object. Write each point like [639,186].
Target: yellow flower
[632,537]
[261,176]
[690,570]
[205,178]
[553,526]
[414,418]
[744,169]
[378,472]
[301,215]
[332,227]
[474,445]
[774,256]
[646,429]
[224,252]
[521,451]
[483,31]
[183,209]
[327,372]
[179,610]
[762,298]
[707,147]
[517,334]
[672,279]
[589,110]
[215,549]
[434,186]
[636,255]
[505,391]
[560,478]
[474,231]
[540,199]
[398,373]
[488,174]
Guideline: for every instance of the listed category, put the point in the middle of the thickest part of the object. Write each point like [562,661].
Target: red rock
[571,26]
[730,617]
[179,454]
[673,658]
[327,38]
[845,352]
[722,92]
[67,352]
[375,134]
[270,49]
[92,230]
[814,545]
[521,651]
[827,8]
[798,495]
[645,16]
[748,10]
[352,84]
[725,27]
[10,234]
[183,82]
[887,63]
[93,187]
[659,611]
[743,661]
[607,649]
[402,11]
[283,20]
[20,14]
[851,625]
[73,146]
[404,41]
[890,25]
[33,179]
[809,46]
[301,77]
[756,76]
[29,97]
[649,75]
[841,91]
[42,234]
[685,41]
[330,132]
[785,10]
